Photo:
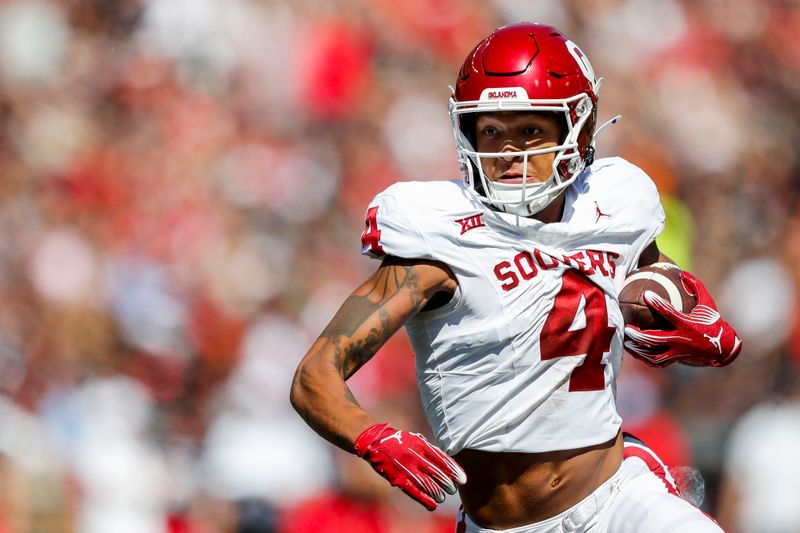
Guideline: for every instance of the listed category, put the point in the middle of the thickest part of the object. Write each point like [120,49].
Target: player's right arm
[398,290]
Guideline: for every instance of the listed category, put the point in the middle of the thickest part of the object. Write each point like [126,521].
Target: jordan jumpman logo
[716,341]
[600,214]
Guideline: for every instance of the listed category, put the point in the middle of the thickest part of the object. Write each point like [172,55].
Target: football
[662,278]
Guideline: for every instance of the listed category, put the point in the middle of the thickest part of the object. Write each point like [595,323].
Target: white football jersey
[524,357]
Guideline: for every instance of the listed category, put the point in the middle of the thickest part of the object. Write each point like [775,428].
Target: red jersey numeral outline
[371,236]
[593,340]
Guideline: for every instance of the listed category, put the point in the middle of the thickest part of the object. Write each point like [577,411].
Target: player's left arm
[700,337]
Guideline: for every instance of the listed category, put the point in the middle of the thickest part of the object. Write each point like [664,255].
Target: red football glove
[411,463]
[700,337]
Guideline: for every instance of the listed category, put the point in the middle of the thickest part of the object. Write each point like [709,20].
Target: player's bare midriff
[506,490]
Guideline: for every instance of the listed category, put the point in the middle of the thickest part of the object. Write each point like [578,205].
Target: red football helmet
[526,67]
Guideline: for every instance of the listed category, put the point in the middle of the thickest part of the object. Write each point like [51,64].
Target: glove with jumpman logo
[411,463]
[699,338]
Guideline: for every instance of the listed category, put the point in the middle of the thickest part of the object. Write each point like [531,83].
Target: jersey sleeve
[639,217]
[391,230]
[647,211]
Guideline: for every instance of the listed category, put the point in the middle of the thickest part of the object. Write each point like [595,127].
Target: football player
[507,283]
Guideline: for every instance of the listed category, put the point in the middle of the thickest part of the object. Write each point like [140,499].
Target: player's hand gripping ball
[679,321]
[663,279]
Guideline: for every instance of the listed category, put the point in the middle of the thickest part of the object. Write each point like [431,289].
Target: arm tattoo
[388,282]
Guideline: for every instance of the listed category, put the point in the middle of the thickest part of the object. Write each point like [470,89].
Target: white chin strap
[528,197]
[506,196]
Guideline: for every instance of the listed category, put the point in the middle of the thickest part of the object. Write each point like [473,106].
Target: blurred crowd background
[182,191]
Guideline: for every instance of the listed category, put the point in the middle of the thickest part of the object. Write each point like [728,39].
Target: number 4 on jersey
[371,237]
[559,340]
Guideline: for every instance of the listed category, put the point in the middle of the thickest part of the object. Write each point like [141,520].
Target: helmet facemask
[576,115]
